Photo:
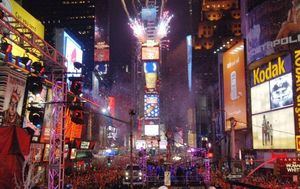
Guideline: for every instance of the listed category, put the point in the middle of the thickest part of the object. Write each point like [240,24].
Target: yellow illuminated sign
[298,143]
[27,19]
[21,14]
[270,72]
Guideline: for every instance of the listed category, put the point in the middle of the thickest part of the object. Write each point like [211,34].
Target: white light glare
[138,29]
[163,25]
[176,158]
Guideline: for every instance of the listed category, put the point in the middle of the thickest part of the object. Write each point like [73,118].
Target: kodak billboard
[296,57]
[272,102]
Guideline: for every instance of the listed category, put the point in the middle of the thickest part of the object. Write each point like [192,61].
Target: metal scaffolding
[57,137]
[18,33]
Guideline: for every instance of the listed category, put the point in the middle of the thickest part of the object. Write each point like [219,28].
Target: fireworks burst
[138,29]
[163,27]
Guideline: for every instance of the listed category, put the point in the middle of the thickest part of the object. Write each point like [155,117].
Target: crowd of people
[99,176]
[104,176]
[264,179]
[269,180]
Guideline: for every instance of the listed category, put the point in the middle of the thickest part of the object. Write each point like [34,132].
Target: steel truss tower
[18,33]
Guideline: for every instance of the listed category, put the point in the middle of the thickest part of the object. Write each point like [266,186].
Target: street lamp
[132,114]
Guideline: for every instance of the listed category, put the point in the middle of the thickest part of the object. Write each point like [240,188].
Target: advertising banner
[45,135]
[296,59]
[150,53]
[149,14]
[72,130]
[101,54]
[150,69]
[46,152]
[12,90]
[235,86]
[73,53]
[151,106]
[140,144]
[71,49]
[288,166]
[21,14]
[36,151]
[274,130]
[151,130]
[26,18]
[40,99]
[273,125]
[271,27]
[101,43]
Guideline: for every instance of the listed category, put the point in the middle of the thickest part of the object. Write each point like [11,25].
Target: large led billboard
[271,27]
[296,74]
[150,53]
[274,130]
[273,125]
[140,144]
[71,50]
[151,130]
[27,19]
[150,70]
[101,35]
[73,53]
[235,86]
[151,106]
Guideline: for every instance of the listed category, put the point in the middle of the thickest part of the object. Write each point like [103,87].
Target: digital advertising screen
[260,98]
[272,27]
[235,85]
[296,75]
[73,53]
[71,50]
[274,130]
[72,130]
[288,166]
[273,124]
[84,145]
[101,54]
[150,53]
[274,94]
[151,130]
[150,70]
[281,91]
[101,35]
[140,144]
[151,106]
[149,14]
